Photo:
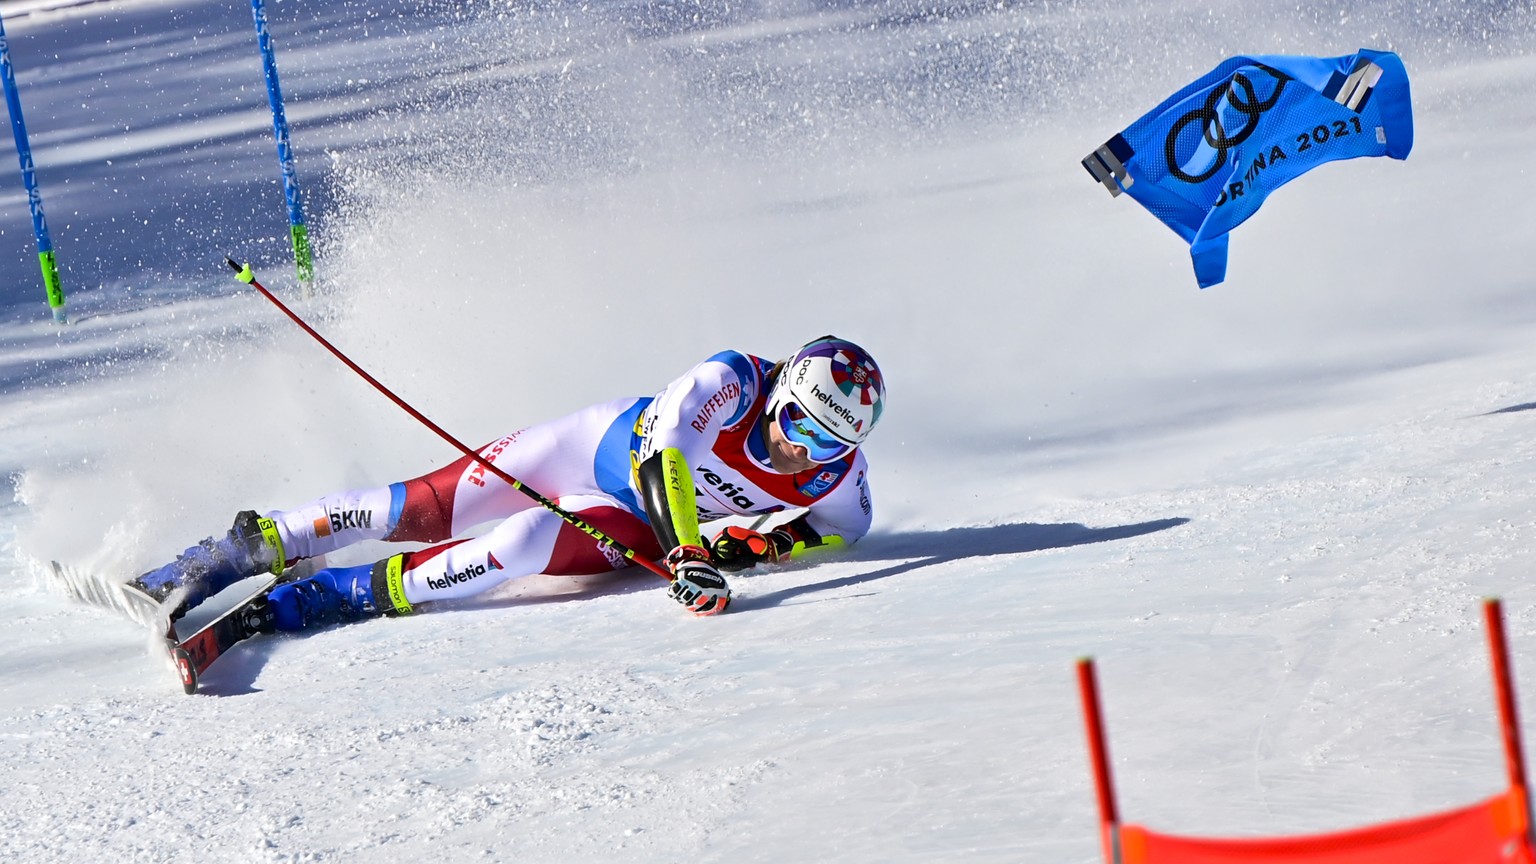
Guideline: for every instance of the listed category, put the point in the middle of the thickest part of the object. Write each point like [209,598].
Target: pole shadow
[926,548]
[1526,406]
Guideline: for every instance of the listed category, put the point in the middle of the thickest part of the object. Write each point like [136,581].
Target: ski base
[250,617]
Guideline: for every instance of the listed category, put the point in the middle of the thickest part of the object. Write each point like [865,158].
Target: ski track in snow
[1268,509]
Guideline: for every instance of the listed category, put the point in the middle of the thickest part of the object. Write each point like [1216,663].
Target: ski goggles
[800,428]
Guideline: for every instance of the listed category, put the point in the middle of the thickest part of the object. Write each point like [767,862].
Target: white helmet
[827,398]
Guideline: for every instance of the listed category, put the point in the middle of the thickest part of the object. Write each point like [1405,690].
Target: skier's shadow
[924,548]
[236,672]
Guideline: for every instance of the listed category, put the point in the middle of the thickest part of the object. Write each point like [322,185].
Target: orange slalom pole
[1098,752]
[1504,690]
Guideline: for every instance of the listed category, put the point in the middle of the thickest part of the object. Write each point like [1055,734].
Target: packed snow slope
[1269,509]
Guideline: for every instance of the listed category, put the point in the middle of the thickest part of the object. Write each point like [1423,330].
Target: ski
[93,590]
[194,654]
[251,616]
[122,597]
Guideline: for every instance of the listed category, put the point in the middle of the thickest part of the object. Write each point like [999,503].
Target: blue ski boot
[330,596]
[252,546]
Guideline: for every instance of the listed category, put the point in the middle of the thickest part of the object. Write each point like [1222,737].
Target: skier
[753,436]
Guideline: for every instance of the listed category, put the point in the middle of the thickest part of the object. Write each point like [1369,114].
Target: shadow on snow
[926,548]
[237,671]
[1527,406]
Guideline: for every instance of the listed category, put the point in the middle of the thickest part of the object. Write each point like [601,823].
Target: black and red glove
[696,583]
[737,548]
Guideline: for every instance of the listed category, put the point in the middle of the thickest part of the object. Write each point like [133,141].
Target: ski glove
[737,548]
[696,583]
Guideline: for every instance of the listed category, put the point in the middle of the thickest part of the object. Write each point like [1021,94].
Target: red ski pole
[245,275]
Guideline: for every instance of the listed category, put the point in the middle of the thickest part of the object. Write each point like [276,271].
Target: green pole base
[301,256]
[51,284]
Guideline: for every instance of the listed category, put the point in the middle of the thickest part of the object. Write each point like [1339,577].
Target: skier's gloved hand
[737,548]
[696,583]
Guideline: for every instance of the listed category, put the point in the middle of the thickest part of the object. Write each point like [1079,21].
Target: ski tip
[93,590]
[186,669]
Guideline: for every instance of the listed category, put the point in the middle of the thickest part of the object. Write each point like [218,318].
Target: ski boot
[252,546]
[330,596]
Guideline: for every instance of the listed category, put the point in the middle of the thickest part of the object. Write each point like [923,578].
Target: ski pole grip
[244,274]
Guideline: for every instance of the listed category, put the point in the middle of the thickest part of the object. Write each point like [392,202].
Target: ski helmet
[827,398]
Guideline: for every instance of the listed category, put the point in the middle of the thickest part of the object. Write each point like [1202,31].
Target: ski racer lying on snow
[752,436]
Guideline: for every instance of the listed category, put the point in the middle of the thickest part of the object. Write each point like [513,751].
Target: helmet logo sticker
[858,376]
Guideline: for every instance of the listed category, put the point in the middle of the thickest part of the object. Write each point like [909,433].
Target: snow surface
[1268,509]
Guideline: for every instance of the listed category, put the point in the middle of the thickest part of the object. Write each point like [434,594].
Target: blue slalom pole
[29,177]
[301,255]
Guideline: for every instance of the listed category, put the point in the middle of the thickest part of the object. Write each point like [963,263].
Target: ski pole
[296,227]
[244,274]
[45,257]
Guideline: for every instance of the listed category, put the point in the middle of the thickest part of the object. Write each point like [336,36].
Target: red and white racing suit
[586,463]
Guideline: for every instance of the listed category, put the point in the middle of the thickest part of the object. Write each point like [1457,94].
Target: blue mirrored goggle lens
[800,428]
